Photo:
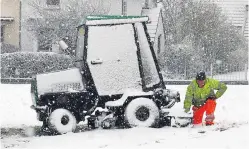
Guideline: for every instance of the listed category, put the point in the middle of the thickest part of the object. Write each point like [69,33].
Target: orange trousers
[209,108]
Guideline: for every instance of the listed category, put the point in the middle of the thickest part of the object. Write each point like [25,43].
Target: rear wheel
[62,121]
[142,112]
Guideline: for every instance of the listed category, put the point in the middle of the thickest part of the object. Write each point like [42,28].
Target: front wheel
[142,112]
[62,121]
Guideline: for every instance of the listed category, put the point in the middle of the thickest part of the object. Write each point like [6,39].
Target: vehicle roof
[112,19]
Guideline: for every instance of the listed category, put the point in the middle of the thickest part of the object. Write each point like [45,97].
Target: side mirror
[63,45]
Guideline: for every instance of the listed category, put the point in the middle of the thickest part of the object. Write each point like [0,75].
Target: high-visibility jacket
[197,96]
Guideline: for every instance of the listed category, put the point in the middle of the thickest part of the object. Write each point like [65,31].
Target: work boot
[209,119]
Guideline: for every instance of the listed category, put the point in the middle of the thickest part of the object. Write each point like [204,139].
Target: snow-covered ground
[15,106]
[232,109]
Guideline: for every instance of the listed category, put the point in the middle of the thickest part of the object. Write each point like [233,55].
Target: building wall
[30,14]
[115,7]
[28,36]
[234,9]
[11,8]
[134,7]
[236,13]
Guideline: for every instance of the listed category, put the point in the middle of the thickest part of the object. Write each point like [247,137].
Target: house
[30,17]
[150,8]
[237,13]
[10,22]
[31,24]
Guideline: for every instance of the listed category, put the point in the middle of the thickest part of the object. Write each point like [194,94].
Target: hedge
[8,48]
[27,64]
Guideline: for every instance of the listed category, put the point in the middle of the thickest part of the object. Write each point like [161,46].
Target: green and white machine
[117,71]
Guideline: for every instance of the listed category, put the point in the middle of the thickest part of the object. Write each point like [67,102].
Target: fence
[222,72]
[228,73]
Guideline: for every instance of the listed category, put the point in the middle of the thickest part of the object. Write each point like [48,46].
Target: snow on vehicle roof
[108,19]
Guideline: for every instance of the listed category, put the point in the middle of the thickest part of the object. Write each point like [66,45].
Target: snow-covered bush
[26,64]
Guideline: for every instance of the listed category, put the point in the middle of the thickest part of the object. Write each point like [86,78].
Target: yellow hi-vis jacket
[197,96]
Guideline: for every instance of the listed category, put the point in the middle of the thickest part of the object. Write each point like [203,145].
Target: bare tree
[56,24]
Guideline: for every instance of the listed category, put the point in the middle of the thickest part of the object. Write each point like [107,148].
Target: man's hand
[212,97]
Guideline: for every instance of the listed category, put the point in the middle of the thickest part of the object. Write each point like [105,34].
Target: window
[118,51]
[53,2]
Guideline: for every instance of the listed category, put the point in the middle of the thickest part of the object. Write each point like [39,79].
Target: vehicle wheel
[142,112]
[62,121]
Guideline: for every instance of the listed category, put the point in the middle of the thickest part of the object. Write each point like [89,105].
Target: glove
[212,97]
[194,108]
[187,111]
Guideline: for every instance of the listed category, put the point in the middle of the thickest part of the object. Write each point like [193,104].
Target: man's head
[200,78]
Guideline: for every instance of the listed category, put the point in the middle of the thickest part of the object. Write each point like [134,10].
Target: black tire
[62,121]
[142,112]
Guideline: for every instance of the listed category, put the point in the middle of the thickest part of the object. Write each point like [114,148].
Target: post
[246,71]
[146,4]
[185,68]
[245,19]
[211,70]
[124,7]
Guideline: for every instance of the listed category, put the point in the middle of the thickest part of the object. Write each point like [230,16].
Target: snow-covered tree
[197,35]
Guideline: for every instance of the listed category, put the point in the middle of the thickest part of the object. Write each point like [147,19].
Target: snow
[15,106]
[67,80]
[231,108]
[55,120]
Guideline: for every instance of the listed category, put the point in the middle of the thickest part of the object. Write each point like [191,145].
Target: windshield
[150,73]
[80,42]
